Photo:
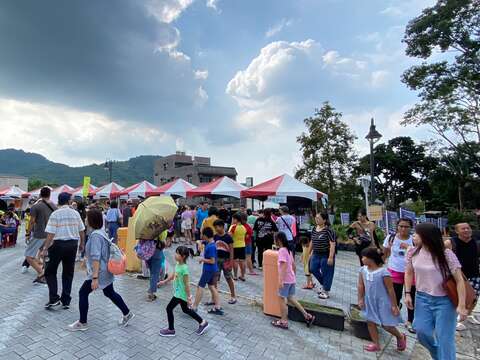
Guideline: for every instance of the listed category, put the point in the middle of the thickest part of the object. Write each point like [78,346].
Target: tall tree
[449,89]
[401,171]
[327,151]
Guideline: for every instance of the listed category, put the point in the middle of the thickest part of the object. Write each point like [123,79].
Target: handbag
[450,287]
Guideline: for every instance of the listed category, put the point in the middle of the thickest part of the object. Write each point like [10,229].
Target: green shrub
[341,231]
[456,216]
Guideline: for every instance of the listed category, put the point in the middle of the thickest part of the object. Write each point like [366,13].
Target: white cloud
[379,78]
[201,74]
[167,11]
[274,30]
[213,4]
[170,45]
[406,8]
[202,97]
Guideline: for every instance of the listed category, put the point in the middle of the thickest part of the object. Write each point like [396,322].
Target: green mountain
[37,167]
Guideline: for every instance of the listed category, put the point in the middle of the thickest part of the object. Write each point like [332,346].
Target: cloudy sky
[232,79]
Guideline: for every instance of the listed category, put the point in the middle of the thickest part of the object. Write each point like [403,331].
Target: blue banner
[391,220]
[409,215]
[331,217]
[345,218]
[443,223]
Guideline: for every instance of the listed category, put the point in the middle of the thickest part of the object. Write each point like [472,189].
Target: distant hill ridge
[36,166]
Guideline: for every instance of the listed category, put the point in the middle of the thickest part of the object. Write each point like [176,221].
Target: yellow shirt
[208,222]
[238,236]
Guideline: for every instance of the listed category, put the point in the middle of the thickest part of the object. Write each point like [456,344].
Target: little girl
[181,294]
[286,283]
[377,298]
[306,262]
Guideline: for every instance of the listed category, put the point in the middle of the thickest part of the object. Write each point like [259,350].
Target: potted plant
[359,324]
[325,316]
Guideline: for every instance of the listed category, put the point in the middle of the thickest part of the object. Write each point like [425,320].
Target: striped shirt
[65,224]
[321,240]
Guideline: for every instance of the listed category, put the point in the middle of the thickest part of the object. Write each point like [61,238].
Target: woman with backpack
[97,254]
[365,234]
[395,249]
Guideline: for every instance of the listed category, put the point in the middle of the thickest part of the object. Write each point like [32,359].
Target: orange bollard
[271,300]
[122,234]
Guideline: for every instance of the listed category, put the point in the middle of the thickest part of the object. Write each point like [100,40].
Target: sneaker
[78,326]
[473,320]
[40,280]
[65,306]
[24,269]
[53,305]
[461,327]
[167,333]
[126,319]
[201,329]
[151,297]
[323,295]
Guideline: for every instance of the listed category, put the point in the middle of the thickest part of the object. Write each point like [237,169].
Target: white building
[14,180]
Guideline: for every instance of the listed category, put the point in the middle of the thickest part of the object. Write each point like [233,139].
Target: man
[64,230]
[467,250]
[39,215]
[251,218]
[127,213]
[200,215]
[285,223]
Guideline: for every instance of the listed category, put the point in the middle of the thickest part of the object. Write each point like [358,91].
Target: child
[286,283]
[209,273]
[181,294]
[224,244]
[306,260]
[377,298]
[248,245]
[238,233]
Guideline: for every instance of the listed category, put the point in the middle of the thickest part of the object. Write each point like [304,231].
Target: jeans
[63,252]
[173,304]
[155,266]
[322,271]
[112,230]
[435,321]
[109,292]
[398,288]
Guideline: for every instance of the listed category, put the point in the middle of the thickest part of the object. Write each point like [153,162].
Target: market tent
[137,190]
[11,192]
[283,186]
[78,192]
[34,193]
[178,187]
[108,191]
[63,188]
[221,187]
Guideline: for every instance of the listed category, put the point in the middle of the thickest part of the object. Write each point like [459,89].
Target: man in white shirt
[64,230]
[285,224]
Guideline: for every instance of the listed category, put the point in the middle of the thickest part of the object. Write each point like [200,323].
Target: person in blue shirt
[200,215]
[209,273]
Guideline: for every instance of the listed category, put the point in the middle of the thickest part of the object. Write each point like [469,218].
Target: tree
[34,184]
[401,171]
[327,152]
[449,90]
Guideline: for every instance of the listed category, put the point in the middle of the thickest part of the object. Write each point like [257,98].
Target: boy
[224,243]
[209,273]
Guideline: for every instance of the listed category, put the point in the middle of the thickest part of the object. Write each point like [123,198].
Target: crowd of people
[418,262]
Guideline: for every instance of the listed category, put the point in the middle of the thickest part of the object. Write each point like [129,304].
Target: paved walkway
[30,332]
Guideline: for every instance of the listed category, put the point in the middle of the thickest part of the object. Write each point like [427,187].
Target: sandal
[308,287]
[280,324]
[215,311]
[402,344]
[235,278]
[372,348]
[241,278]
[209,303]
[253,274]
[323,296]
[232,301]
[410,328]
[309,320]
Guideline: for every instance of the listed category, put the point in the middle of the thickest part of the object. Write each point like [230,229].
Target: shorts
[208,277]
[287,290]
[239,253]
[33,247]
[197,235]
[248,249]
[225,266]
[187,225]
[475,282]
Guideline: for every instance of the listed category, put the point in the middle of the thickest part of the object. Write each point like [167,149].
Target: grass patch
[355,313]
[321,308]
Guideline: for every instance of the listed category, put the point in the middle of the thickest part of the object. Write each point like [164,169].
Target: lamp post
[373,136]
[108,166]
[364,182]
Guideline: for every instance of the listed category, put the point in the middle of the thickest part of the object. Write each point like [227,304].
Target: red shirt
[249,235]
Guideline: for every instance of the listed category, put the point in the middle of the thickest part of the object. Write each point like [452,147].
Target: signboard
[391,221]
[277,199]
[86,185]
[249,181]
[345,218]
[331,218]
[443,223]
[375,212]
[408,214]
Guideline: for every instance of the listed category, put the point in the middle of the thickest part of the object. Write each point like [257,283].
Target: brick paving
[30,332]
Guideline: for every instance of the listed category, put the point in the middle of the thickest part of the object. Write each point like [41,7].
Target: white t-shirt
[398,256]
[65,224]
[285,224]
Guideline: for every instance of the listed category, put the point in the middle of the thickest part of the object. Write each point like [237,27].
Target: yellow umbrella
[153,216]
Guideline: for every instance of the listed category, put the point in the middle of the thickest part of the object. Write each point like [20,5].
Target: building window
[205,178]
[189,178]
[165,167]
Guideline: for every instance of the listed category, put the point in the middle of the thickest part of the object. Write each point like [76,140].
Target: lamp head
[373,135]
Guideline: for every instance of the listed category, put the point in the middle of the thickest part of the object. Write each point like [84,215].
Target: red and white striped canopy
[136,191]
[284,185]
[63,188]
[78,192]
[108,191]
[178,187]
[34,193]
[223,186]
[11,192]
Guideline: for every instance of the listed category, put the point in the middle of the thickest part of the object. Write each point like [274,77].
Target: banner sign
[331,217]
[443,223]
[375,212]
[391,221]
[408,214]
[345,218]
[422,219]
[277,199]
[86,185]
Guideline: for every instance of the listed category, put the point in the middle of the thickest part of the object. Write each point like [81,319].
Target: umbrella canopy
[78,192]
[178,187]
[63,188]
[11,192]
[108,191]
[139,190]
[153,217]
[34,193]
[284,185]
[221,187]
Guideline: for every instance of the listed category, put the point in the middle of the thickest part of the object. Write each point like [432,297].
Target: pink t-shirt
[428,276]
[285,257]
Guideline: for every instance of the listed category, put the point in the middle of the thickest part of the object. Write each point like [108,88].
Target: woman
[155,265]
[187,221]
[322,249]
[113,218]
[435,316]
[264,229]
[365,233]
[97,253]
[395,249]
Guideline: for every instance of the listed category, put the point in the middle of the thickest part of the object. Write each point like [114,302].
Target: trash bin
[122,234]
[133,262]
[271,300]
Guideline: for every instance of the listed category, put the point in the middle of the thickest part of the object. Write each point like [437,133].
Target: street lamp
[108,166]
[373,136]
